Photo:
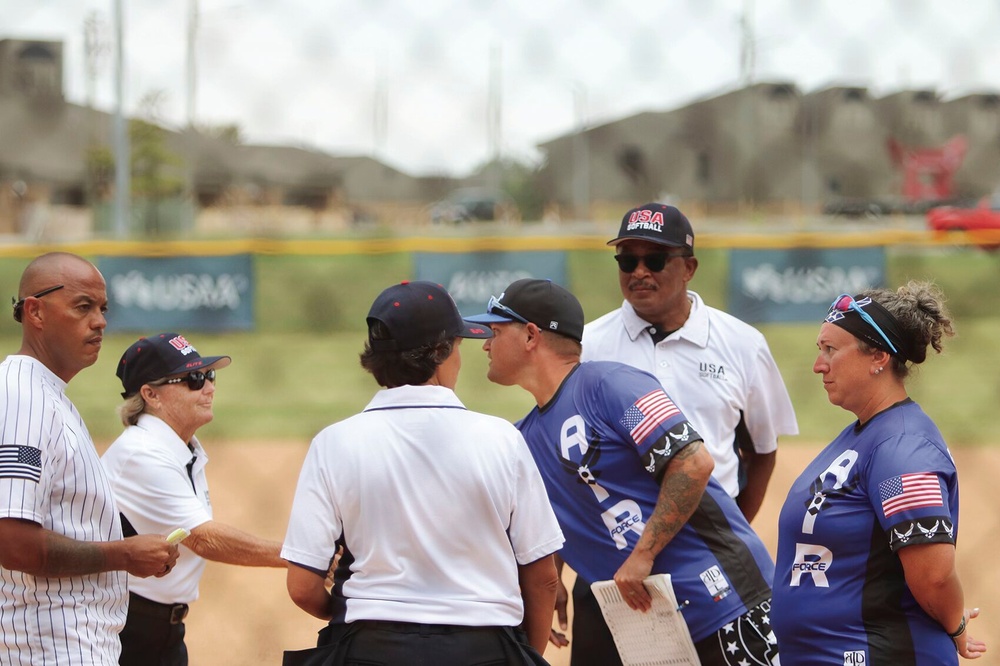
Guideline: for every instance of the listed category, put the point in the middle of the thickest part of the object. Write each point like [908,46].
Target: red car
[982,221]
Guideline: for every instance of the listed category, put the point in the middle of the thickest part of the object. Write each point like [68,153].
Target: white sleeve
[534,530]
[30,458]
[315,524]
[769,414]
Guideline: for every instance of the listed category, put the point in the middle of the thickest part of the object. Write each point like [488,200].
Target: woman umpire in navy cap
[157,471]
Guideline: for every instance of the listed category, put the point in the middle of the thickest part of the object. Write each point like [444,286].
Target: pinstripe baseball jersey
[50,474]
[602,445]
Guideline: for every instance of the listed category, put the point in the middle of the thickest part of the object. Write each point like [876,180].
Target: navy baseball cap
[541,302]
[656,223]
[159,356]
[418,313]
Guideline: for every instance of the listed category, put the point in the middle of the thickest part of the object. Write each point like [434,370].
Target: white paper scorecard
[659,637]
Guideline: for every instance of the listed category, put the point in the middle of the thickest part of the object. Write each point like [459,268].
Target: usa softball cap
[657,223]
[159,356]
[419,313]
[541,302]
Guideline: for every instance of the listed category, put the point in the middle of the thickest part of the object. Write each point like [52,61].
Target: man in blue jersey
[629,478]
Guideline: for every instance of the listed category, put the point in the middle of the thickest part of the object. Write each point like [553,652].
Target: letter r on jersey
[625,516]
[811,560]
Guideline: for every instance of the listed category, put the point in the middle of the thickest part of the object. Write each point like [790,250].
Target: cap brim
[204,363]
[489,318]
[475,329]
[621,239]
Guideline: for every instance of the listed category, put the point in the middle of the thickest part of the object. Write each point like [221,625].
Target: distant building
[56,168]
[769,147]
[31,67]
[977,116]
[766,147]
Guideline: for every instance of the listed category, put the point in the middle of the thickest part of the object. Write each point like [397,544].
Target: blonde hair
[135,405]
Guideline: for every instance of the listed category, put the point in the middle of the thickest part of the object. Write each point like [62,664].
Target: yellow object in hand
[177,536]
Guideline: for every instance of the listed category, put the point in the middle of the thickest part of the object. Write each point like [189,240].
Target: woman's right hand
[967,646]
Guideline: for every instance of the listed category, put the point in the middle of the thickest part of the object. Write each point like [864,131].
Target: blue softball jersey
[840,596]
[602,444]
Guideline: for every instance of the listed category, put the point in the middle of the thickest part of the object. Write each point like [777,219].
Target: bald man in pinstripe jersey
[62,557]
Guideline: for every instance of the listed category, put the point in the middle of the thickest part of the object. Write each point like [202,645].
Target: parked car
[471,204]
[983,217]
[855,208]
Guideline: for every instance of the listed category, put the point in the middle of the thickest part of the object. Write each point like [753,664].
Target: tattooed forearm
[680,492]
[66,557]
[25,546]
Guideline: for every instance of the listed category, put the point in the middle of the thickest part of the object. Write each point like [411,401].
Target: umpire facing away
[448,535]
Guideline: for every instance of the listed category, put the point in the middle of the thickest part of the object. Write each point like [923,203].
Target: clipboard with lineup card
[659,637]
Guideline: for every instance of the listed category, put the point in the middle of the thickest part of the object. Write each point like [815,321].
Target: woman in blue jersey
[865,570]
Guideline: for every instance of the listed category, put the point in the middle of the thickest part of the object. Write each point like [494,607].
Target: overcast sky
[323,74]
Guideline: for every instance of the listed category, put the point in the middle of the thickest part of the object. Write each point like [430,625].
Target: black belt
[169,613]
[419,628]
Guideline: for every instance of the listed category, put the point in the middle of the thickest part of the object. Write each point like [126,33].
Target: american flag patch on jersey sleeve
[910,491]
[20,462]
[647,414]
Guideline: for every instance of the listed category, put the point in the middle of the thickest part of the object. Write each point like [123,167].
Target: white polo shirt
[50,474]
[148,469]
[716,368]
[437,504]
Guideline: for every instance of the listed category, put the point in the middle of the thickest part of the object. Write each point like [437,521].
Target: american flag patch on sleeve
[647,414]
[910,491]
[20,462]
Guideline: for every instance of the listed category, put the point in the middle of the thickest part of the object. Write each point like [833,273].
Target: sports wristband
[960,630]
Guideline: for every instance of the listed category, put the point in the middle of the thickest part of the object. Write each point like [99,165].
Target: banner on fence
[154,294]
[473,277]
[798,284]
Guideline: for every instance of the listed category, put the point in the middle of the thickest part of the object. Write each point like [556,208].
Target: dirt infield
[244,615]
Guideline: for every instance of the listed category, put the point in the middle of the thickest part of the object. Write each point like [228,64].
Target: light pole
[192,71]
[190,137]
[191,133]
[581,154]
[123,162]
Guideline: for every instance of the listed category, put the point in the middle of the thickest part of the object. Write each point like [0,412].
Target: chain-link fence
[580,107]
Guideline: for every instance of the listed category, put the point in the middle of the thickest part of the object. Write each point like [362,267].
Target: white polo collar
[405,397]
[160,431]
[694,330]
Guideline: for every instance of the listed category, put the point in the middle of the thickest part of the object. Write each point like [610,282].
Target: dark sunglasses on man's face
[195,380]
[654,261]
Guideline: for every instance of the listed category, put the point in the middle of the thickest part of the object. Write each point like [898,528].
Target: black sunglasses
[654,261]
[195,380]
[19,305]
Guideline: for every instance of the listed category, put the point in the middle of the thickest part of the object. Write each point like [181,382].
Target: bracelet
[960,630]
